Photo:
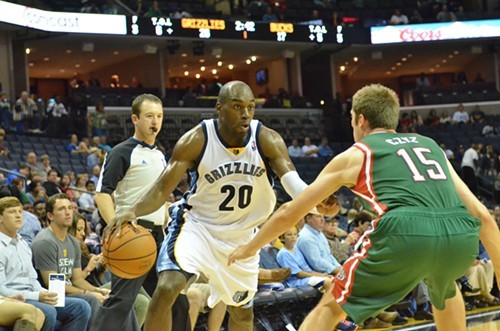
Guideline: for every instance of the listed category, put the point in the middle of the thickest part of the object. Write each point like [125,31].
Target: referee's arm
[104,203]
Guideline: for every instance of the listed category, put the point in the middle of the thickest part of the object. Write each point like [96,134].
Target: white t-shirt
[306,149]
[469,156]
[460,116]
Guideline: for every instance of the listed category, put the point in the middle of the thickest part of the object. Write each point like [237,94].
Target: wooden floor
[487,319]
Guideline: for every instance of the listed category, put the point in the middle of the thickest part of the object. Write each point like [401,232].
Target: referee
[127,173]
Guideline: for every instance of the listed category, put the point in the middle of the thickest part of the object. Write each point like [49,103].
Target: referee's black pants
[117,313]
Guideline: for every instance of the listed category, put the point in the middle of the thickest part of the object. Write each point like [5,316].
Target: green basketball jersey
[404,169]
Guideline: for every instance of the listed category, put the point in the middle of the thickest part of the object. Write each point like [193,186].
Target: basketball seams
[126,242]
[130,259]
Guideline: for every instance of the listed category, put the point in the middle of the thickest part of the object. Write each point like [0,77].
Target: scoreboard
[206,28]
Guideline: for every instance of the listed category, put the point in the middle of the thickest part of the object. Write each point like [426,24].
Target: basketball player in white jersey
[231,161]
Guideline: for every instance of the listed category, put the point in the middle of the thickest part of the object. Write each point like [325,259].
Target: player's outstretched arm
[343,170]
[489,233]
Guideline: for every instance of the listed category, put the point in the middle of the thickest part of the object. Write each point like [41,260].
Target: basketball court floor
[486,319]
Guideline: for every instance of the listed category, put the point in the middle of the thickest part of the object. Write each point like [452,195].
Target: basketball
[132,254]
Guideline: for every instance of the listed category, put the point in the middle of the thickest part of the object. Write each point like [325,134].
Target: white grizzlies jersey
[232,189]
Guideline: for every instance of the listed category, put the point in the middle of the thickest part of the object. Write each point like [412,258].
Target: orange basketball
[132,254]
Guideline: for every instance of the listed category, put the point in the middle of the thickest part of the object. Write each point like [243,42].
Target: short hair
[89,182]
[137,103]
[378,104]
[225,91]
[362,217]
[9,202]
[49,207]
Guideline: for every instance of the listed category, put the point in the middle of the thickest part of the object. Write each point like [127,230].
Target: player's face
[12,220]
[62,215]
[237,111]
[148,124]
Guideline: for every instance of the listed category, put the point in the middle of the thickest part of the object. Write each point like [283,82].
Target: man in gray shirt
[18,276]
[55,251]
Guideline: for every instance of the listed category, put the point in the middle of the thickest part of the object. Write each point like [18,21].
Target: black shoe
[480,304]
[467,287]
[399,321]
[469,306]
[423,315]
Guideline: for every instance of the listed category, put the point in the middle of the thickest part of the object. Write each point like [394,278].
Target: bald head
[232,90]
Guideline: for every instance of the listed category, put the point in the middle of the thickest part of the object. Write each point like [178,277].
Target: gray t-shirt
[49,253]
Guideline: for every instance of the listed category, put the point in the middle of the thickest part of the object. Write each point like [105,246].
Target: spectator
[64,186]
[415,120]
[309,149]
[25,111]
[477,115]
[96,172]
[39,211]
[115,79]
[73,145]
[338,240]
[35,167]
[5,111]
[55,251]
[76,81]
[290,257]
[269,16]
[4,151]
[404,122]
[51,185]
[94,158]
[294,150]
[398,18]
[361,223]
[93,81]
[36,192]
[134,83]
[313,244]
[21,278]
[22,171]
[256,9]
[432,119]
[324,149]
[86,200]
[460,116]
[462,78]
[469,166]
[31,227]
[79,188]
[422,81]
[98,121]
[416,17]
[103,143]
[445,118]
[445,15]
[84,146]
[154,10]
[460,14]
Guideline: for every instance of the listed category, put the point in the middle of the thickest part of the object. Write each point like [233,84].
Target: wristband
[292,183]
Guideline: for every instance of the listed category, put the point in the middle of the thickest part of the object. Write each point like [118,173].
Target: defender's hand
[330,206]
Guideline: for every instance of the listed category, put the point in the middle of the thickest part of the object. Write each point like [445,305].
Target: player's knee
[170,285]
[241,316]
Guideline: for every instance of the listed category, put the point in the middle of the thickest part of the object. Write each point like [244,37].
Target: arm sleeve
[311,252]
[116,164]
[45,255]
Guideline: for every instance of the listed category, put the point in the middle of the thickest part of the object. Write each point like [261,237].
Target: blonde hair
[378,104]
[9,202]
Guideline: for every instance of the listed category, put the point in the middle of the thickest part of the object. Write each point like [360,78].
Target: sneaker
[346,325]
[467,287]
[387,316]
[375,323]
[423,315]
[400,321]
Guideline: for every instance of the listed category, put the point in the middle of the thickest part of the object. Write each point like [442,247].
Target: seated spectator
[294,150]
[154,11]
[73,144]
[21,278]
[460,14]
[339,241]
[488,130]
[25,113]
[481,276]
[76,81]
[115,80]
[5,112]
[449,153]
[86,201]
[361,223]
[324,149]
[80,186]
[103,143]
[93,268]
[35,167]
[51,185]
[477,115]
[422,81]
[405,123]
[36,192]
[23,170]
[96,172]
[55,251]
[39,211]
[84,146]
[302,274]
[313,244]
[269,16]
[444,118]
[415,120]
[94,158]
[309,149]
[45,158]
[432,119]
[398,18]
[4,151]
[64,186]
[416,17]
[445,15]
[93,81]
[460,116]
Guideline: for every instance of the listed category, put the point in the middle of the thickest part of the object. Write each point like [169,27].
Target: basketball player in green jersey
[428,224]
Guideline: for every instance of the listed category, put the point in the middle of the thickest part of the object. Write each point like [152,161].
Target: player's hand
[330,206]
[48,297]
[117,223]
[240,253]
[99,296]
